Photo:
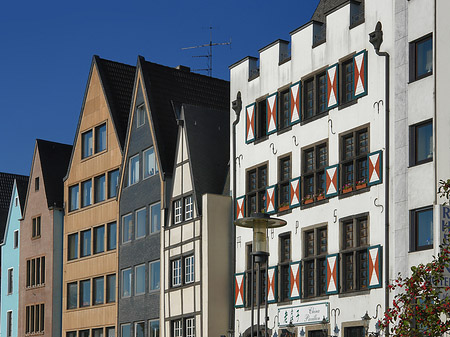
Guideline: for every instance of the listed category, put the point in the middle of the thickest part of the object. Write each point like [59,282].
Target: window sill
[287,59]
[84,258]
[284,130]
[90,307]
[315,203]
[318,43]
[420,249]
[354,192]
[316,117]
[420,78]
[347,104]
[35,287]
[96,154]
[261,139]
[316,298]
[354,293]
[287,211]
[357,23]
[90,206]
[429,160]
[182,286]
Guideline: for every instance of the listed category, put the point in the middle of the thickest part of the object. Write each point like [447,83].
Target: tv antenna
[209,56]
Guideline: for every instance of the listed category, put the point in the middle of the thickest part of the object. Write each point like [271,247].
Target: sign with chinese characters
[304,314]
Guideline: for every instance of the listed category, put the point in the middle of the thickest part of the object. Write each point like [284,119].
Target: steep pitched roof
[55,159]
[22,186]
[118,82]
[6,188]
[325,6]
[208,138]
[167,88]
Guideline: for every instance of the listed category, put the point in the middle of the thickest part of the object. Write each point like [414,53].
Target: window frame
[414,229]
[315,80]
[113,194]
[344,82]
[97,197]
[90,144]
[146,163]
[284,183]
[151,269]
[136,293]
[189,269]
[151,332]
[130,282]
[35,272]
[188,327]
[95,300]
[140,109]
[136,225]
[97,136]
[315,172]
[82,303]
[136,176]
[73,286]
[75,235]
[121,330]
[85,247]
[10,281]
[109,240]
[284,266]
[414,141]
[130,228]
[177,207]
[95,240]
[157,206]
[9,323]
[86,200]
[284,122]
[110,290]
[176,272]
[261,184]
[413,64]
[318,260]
[74,188]
[16,239]
[261,119]
[188,213]
[143,328]
[36,227]
[36,184]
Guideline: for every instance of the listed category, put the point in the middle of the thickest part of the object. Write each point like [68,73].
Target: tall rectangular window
[126,282]
[150,165]
[127,227]
[189,269]
[176,272]
[85,293]
[125,330]
[111,239]
[154,275]
[177,328]
[256,189]
[72,243]
[421,229]
[99,188]
[34,319]
[86,144]
[36,184]
[314,96]
[98,290]
[190,327]
[9,323]
[83,333]
[35,272]
[100,138]
[99,239]
[155,217]
[284,113]
[188,208]
[16,239]
[111,288]
[140,115]
[139,279]
[36,230]
[284,174]
[73,198]
[347,81]
[153,327]
[354,150]
[10,280]
[113,183]
[86,193]
[97,332]
[421,143]
[85,243]
[314,262]
[309,98]
[315,159]
[72,295]
[141,217]
[261,119]
[139,328]
[133,170]
[111,331]
[284,260]
[177,215]
[421,58]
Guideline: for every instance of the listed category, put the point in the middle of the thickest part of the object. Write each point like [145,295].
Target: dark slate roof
[55,159]
[6,188]
[208,138]
[118,82]
[167,88]
[22,186]
[325,6]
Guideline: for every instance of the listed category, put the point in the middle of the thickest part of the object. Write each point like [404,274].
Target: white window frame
[177,328]
[131,167]
[136,223]
[189,274]
[139,120]
[150,272]
[135,329]
[158,205]
[123,282]
[176,272]
[123,227]
[135,279]
[146,163]
[150,328]
[190,327]
[177,207]
[188,208]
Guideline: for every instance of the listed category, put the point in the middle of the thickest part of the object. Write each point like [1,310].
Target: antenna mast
[211,44]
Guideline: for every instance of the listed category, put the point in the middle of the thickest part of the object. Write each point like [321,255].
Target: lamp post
[260,223]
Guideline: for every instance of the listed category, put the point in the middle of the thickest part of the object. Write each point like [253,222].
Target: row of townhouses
[136,229]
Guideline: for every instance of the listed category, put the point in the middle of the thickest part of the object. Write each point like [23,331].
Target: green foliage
[444,189]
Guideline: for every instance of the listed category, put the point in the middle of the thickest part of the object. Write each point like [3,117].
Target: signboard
[304,314]
[444,229]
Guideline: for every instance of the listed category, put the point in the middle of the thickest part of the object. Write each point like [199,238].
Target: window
[177,216]
[16,239]
[154,275]
[261,119]
[72,294]
[256,189]
[110,288]
[284,174]
[127,226]
[347,81]
[189,269]
[133,170]
[83,333]
[85,293]
[315,159]
[85,243]
[176,272]
[155,217]
[36,184]
[99,188]
[126,330]
[71,334]
[97,332]
[111,236]
[126,282]
[99,239]
[150,166]
[86,144]
[284,114]
[284,260]
[110,331]
[421,143]
[98,290]
[177,328]
[315,266]
[36,230]
[86,195]
[262,277]
[35,272]
[73,197]
[100,138]
[188,208]
[355,240]
[354,150]
[190,327]
[421,229]
[420,58]
[356,331]
[139,279]
[153,327]
[141,217]
[314,96]
[139,329]
[9,323]
[72,243]
[140,116]
[113,183]
[10,280]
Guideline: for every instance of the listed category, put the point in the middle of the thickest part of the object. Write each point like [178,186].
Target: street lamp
[366,321]
[260,223]
[324,324]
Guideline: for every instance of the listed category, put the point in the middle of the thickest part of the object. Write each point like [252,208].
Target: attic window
[36,184]
[140,116]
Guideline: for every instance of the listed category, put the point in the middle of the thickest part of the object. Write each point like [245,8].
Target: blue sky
[46,50]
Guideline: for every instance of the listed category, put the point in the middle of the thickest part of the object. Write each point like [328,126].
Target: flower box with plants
[320,196]
[361,184]
[308,199]
[347,188]
[283,207]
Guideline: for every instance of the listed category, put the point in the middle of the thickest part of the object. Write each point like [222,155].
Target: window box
[320,197]
[283,208]
[361,186]
[347,190]
[307,200]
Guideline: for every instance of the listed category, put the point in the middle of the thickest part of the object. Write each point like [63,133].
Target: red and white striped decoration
[332,284]
[250,123]
[332,94]
[332,182]
[359,63]
[240,207]
[294,192]
[271,285]
[374,266]
[239,283]
[295,102]
[294,280]
[272,113]
[270,199]
[374,168]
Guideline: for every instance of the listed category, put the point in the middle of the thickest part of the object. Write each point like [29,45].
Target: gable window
[421,58]
[188,208]
[73,197]
[10,281]
[72,243]
[85,243]
[189,269]
[176,272]
[86,194]
[150,166]
[155,217]
[85,293]
[421,143]
[35,272]
[72,295]
[141,217]
[355,240]
[354,150]
[421,229]
[140,116]
[99,239]
[177,216]
[315,159]
[100,138]
[110,288]
[347,81]
[314,96]
[284,174]
[133,170]
[256,189]
[113,183]
[36,229]
[16,239]
[98,290]
[126,282]
[314,263]
[36,184]
[86,144]
[127,227]
[284,112]
[261,119]
[99,188]
[283,265]
[154,275]
[139,279]
[111,236]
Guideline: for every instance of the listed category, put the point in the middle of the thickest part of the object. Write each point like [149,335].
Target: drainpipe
[237,107]
[376,38]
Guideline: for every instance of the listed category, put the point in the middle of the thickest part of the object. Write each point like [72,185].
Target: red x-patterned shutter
[272,113]
[294,199]
[332,86]
[332,182]
[295,280]
[271,199]
[240,207]
[332,274]
[239,290]
[375,266]
[360,73]
[250,123]
[375,160]
[295,106]
[272,285]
